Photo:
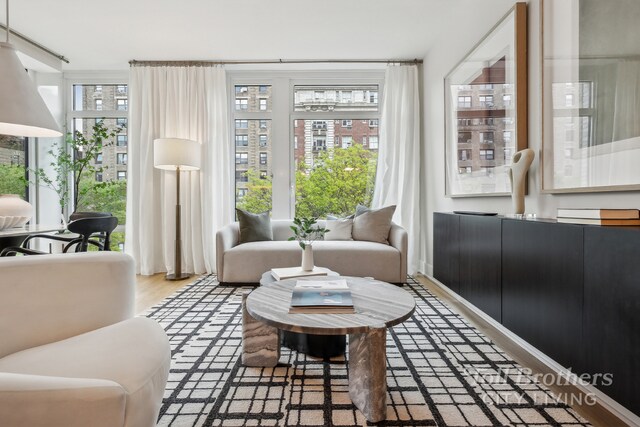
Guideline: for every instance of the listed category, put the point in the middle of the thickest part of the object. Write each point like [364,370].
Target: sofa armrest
[226,238]
[49,298]
[39,401]
[399,239]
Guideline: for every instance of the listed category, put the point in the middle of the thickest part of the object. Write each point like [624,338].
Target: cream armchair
[71,352]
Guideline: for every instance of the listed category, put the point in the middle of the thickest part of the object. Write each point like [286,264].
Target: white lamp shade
[171,153]
[22,110]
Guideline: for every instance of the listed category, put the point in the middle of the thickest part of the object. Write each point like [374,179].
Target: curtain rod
[34,43]
[136,63]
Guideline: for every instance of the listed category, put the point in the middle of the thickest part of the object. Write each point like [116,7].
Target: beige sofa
[247,262]
[71,352]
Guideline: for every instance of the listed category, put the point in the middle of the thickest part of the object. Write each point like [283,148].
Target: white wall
[437,63]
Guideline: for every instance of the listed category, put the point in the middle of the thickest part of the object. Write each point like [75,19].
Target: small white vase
[307,258]
[14,212]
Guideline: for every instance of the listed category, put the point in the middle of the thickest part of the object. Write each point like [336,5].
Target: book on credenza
[326,296]
[293,272]
[599,213]
[590,221]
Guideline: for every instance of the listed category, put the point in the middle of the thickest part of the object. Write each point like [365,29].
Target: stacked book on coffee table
[321,296]
[600,216]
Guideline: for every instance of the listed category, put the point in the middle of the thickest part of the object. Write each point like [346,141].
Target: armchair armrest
[399,239]
[226,238]
[39,401]
[49,298]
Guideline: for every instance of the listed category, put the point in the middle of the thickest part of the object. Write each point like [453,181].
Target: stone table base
[260,342]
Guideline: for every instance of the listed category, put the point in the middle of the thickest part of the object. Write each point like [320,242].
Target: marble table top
[375,303]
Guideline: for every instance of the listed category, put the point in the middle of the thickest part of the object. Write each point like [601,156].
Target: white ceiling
[105,35]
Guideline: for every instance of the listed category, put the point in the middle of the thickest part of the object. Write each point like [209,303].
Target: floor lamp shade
[173,153]
[179,155]
[22,109]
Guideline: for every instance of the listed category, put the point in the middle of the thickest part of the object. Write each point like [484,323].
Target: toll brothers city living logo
[498,395]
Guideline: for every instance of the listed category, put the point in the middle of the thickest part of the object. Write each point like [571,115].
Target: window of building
[506,136]
[568,100]
[242,140]
[263,89]
[263,124]
[99,159]
[242,192]
[263,105]
[373,123]
[242,158]
[241,176]
[485,101]
[506,99]
[464,102]
[347,140]
[335,98]
[319,143]
[464,155]
[121,140]
[486,154]
[263,158]
[122,104]
[263,140]
[242,104]
[121,158]
[99,120]
[122,175]
[373,142]
[98,176]
[242,90]
[121,89]
[98,104]
[263,174]
[486,137]
[346,123]
[464,137]
[98,88]
[242,124]
[121,122]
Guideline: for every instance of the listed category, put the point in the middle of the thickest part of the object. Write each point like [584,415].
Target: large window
[311,149]
[104,190]
[13,159]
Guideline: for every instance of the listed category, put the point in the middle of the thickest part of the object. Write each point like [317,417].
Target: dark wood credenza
[572,291]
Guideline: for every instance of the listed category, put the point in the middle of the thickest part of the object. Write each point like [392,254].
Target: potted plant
[306,232]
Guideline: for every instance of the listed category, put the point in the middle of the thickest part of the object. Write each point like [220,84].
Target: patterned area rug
[441,371]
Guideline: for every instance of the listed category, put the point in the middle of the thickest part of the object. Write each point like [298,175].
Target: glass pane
[12,165]
[253,165]
[335,163]
[100,98]
[336,98]
[253,98]
[103,186]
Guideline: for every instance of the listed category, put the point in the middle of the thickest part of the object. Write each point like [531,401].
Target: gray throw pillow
[254,227]
[372,225]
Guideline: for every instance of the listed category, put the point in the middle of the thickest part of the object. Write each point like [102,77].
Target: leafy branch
[305,232]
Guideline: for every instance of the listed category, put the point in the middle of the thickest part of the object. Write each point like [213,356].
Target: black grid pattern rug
[441,371]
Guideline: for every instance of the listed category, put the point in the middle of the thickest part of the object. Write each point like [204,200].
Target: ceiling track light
[22,109]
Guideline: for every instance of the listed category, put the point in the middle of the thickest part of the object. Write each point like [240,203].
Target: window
[568,100]
[242,140]
[506,136]
[486,101]
[486,137]
[464,137]
[486,154]
[122,104]
[242,124]
[506,99]
[464,155]
[242,104]
[121,158]
[113,105]
[319,119]
[121,140]
[13,159]
[242,158]
[464,102]
[99,159]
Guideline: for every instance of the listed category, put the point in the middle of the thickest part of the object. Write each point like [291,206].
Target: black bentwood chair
[89,228]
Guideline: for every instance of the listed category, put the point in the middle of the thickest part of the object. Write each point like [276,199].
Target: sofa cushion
[246,263]
[254,227]
[133,353]
[339,229]
[372,224]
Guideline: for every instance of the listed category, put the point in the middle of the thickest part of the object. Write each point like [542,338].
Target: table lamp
[179,155]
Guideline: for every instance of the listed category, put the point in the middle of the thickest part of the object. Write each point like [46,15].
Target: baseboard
[606,402]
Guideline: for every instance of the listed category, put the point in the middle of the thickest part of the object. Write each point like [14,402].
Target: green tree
[109,196]
[339,180]
[258,198]
[12,180]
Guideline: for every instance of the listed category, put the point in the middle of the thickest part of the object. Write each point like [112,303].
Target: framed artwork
[591,96]
[486,110]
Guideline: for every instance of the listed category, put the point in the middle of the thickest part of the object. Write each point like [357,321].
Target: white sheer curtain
[398,174]
[177,102]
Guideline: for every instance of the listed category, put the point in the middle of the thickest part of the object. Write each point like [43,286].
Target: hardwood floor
[153,289]
[596,414]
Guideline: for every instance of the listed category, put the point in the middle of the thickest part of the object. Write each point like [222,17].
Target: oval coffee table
[378,305]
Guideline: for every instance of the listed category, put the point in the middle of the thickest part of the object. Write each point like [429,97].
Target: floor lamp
[179,155]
